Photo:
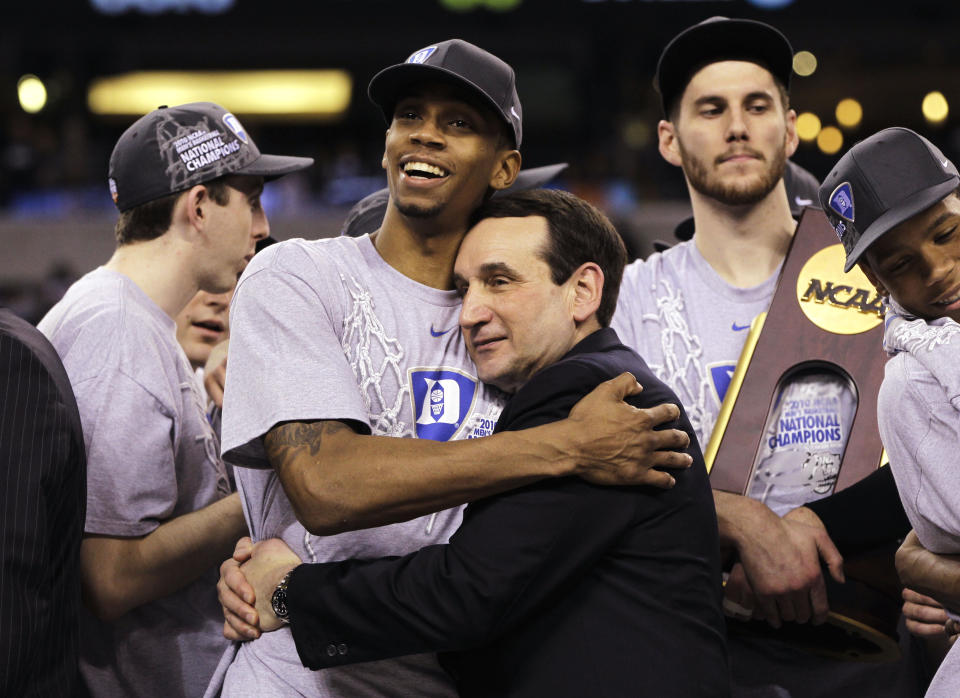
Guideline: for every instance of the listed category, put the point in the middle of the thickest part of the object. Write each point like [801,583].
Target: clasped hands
[247,582]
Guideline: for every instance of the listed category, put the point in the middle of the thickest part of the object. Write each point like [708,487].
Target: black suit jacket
[42,505]
[557,589]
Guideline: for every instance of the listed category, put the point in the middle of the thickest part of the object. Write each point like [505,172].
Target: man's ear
[872,277]
[587,289]
[193,205]
[506,170]
[383,162]
[668,144]
[792,140]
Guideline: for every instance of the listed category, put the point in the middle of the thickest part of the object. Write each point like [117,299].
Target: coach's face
[514,318]
[442,153]
[730,133]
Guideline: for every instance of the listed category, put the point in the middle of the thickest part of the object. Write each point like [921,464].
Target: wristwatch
[279,599]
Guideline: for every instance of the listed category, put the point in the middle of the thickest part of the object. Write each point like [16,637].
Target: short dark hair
[578,233]
[151,220]
[673,108]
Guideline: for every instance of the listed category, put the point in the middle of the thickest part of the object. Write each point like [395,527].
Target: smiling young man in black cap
[339,343]
[724,85]
[187,181]
[892,200]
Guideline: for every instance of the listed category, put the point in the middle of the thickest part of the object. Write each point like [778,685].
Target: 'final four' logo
[442,399]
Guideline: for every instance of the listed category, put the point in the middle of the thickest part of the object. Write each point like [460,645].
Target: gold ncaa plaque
[835,301]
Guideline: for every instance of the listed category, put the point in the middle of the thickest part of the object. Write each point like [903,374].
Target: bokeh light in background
[808,126]
[32,94]
[467,5]
[770,4]
[804,63]
[935,107]
[637,134]
[302,94]
[849,113]
[830,140]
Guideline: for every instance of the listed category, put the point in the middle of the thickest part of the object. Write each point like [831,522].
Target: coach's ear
[586,291]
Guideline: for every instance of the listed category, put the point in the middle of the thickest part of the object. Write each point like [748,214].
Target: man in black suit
[42,507]
[560,588]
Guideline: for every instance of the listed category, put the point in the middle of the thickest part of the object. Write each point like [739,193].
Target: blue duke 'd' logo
[422,55]
[442,399]
[721,375]
[841,202]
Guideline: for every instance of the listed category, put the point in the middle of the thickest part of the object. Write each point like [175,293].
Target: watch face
[279,603]
[279,600]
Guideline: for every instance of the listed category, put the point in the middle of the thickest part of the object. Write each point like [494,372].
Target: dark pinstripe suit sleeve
[42,504]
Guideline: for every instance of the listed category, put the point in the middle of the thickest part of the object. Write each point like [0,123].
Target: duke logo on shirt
[721,374]
[442,399]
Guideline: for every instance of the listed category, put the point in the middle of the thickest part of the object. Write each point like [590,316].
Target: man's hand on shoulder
[617,444]
[779,575]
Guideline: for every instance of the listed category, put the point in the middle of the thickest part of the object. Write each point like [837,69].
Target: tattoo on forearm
[285,442]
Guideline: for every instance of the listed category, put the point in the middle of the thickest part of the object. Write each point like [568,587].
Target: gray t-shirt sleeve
[920,428]
[286,361]
[131,471]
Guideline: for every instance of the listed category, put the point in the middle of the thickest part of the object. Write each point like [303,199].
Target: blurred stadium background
[72,72]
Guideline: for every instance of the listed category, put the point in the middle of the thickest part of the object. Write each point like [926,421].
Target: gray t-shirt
[151,456]
[918,411]
[690,326]
[328,330]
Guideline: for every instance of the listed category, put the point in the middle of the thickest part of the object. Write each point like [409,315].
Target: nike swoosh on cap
[802,202]
[438,334]
[737,328]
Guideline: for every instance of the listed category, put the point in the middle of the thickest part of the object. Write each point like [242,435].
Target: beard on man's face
[741,191]
[418,211]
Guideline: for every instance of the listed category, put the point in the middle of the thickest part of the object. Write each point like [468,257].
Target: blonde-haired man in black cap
[893,202]
[187,182]
[341,345]
[724,85]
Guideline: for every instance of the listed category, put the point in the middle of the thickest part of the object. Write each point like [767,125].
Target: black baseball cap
[720,39]
[882,181]
[460,63]
[367,214]
[174,148]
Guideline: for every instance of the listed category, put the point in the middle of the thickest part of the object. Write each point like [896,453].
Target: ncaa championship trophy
[799,422]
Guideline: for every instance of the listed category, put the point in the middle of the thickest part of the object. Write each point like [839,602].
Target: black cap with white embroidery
[460,63]
[174,148]
[882,181]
